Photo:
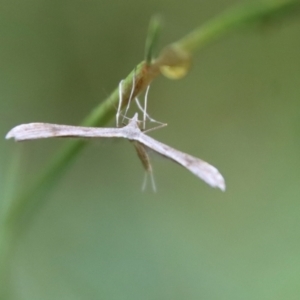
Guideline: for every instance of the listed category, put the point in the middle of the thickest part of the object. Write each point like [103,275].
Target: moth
[131,132]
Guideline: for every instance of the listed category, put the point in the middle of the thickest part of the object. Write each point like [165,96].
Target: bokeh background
[98,236]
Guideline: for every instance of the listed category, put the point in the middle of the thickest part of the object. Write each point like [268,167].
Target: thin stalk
[235,18]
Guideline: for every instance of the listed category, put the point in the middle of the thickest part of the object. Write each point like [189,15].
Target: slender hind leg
[130,97]
[144,111]
[120,102]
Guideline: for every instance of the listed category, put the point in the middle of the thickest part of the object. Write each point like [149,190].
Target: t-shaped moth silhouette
[131,132]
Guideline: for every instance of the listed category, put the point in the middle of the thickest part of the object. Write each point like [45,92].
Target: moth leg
[156,127]
[145,114]
[120,102]
[130,97]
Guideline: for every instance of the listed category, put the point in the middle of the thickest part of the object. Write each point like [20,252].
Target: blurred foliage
[99,236]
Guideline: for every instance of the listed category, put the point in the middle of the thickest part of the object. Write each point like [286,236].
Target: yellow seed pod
[176,63]
[177,71]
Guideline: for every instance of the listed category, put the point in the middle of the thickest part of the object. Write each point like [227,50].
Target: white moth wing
[198,167]
[33,131]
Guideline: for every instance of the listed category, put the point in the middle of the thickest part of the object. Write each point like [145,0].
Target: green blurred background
[99,236]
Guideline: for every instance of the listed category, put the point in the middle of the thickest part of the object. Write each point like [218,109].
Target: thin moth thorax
[140,149]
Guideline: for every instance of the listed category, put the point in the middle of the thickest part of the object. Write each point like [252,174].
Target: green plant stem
[145,73]
[238,17]
[235,18]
